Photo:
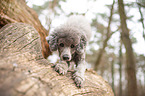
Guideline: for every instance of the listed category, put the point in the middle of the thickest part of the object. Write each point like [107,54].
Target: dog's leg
[78,76]
[61,67]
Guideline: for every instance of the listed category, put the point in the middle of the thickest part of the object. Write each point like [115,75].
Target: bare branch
[107,38]
[141,20]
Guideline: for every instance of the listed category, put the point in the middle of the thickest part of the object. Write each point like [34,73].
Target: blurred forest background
[117,48]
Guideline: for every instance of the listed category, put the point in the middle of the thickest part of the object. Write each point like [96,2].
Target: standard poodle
[70,39]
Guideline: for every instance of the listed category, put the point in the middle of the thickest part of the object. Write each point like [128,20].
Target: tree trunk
[12,11]
[112,71]
[108,35]
[130,60]
[24,71]
[144,81]
[120,69]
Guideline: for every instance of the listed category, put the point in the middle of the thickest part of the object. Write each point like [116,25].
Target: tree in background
[130,59]
[108,35]
[140,60]
[120,68]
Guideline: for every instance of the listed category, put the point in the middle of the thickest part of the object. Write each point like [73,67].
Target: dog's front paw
[78,80]
[61,68]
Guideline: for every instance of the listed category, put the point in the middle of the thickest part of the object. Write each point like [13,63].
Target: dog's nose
[65,57]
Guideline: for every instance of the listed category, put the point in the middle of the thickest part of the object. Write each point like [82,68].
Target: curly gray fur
[70,39]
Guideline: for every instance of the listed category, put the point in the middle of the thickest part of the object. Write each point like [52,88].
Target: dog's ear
[82,44]
[52,41]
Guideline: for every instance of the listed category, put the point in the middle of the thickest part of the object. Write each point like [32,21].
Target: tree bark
[12,11]
[24,71]
[130,60]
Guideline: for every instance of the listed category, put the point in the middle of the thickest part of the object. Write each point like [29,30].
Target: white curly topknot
[80,23]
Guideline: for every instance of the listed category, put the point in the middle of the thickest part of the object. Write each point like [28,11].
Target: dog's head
[67,43]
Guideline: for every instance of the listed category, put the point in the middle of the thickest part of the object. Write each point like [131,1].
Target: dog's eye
[61,45]
[72,46]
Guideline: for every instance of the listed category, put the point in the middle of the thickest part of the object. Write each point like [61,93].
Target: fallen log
[24,71]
